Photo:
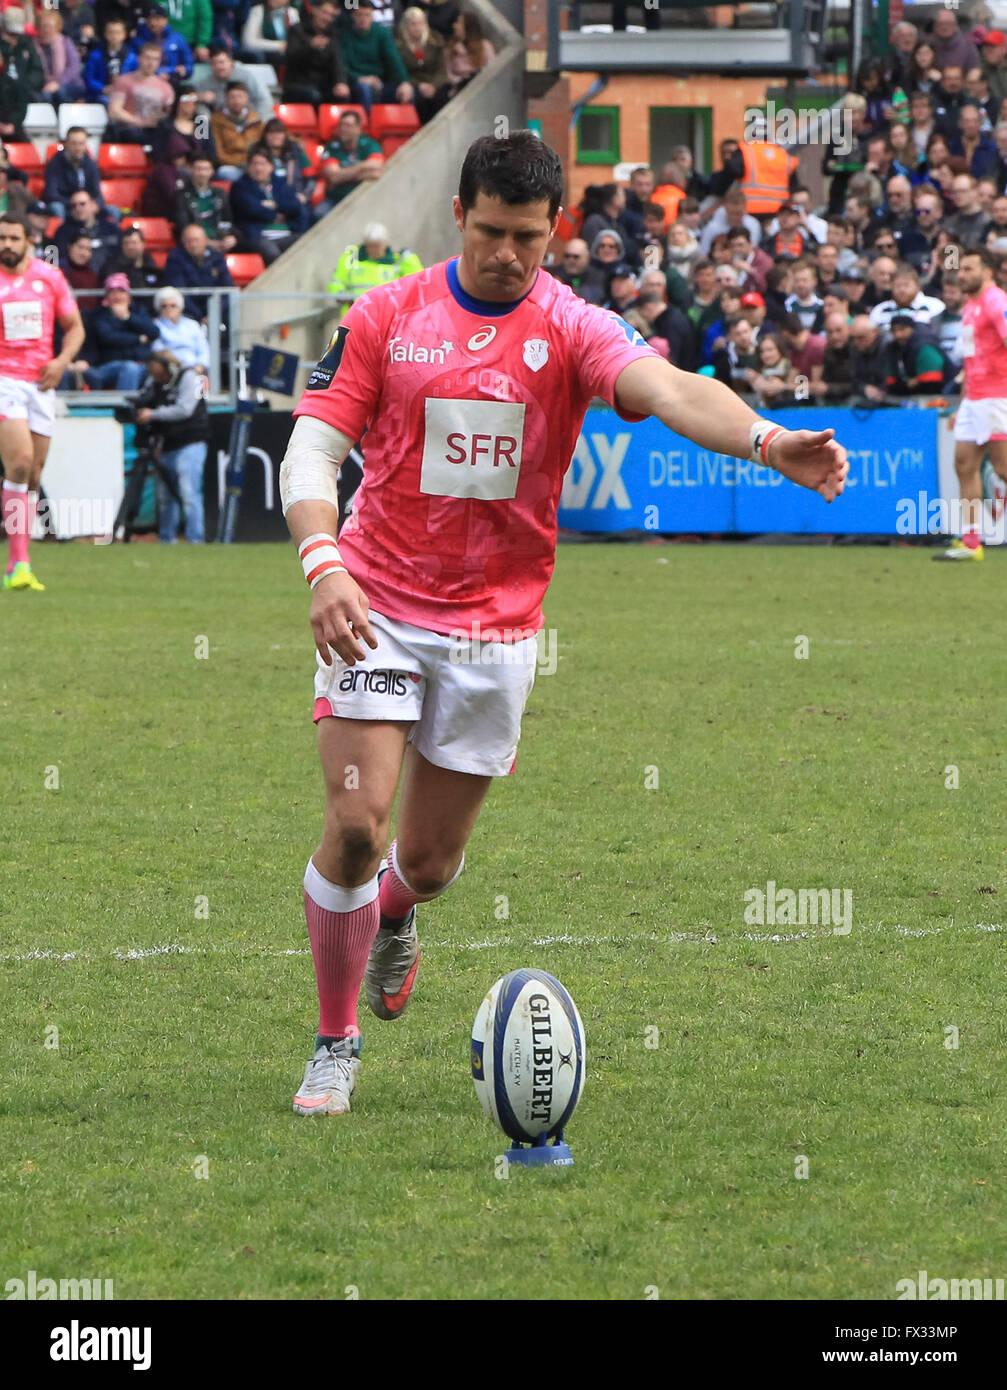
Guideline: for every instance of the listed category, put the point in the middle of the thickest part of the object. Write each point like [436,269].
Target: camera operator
[171,406]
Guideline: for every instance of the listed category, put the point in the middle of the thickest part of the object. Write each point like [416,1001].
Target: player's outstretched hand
[339,610]
[812,458]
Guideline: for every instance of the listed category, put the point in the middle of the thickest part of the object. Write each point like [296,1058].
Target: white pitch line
[486,944]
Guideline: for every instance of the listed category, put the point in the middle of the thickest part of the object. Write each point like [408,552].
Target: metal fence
[227,335]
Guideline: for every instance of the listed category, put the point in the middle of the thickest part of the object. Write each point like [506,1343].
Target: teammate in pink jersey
[981,419]
[33,298]
[471,379]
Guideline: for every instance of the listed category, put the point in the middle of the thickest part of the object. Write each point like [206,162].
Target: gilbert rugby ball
[528,1055]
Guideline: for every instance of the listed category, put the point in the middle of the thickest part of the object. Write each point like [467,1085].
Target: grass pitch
[151,914]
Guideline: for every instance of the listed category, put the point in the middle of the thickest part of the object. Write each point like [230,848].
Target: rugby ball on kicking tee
[528,1055]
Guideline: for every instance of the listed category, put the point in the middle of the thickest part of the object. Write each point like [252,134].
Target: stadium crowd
[736,274]
[235,157]
[253,121]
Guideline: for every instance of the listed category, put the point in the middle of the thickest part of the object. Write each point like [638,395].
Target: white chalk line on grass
[487,944]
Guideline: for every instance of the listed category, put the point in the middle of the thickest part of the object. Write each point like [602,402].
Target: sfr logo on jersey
[472,449]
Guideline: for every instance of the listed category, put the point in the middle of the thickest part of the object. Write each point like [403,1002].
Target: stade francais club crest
[536,353]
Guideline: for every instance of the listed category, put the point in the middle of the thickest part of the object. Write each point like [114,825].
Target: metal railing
[226,334]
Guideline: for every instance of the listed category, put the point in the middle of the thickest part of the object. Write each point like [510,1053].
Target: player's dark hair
[792,323]
[739,234]
[237,87]
[75,130]
[518,169]
[688,205]
[15,219]
[982,252]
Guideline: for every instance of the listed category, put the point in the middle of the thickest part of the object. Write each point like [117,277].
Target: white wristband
[319,556]
[761,435]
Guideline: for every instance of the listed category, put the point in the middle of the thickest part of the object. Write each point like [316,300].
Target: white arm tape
[310,467]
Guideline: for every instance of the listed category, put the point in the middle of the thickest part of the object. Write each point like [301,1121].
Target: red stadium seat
[328,118]
[119,160]
[122,193]
[244,267]
[36,185]
[51,227]
[393,120]
[25,157]
[298,117]
[391,143]
[159,257]
[157,231]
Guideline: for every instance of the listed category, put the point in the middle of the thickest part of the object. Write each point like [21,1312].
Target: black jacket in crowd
[184,399]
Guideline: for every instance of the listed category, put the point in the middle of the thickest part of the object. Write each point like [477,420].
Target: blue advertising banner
[627,477]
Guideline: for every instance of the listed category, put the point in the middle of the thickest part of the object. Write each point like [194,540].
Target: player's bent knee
[427,874]
[358,844]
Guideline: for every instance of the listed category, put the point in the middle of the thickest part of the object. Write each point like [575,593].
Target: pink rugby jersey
[984,323]
[30,304]
[472,416]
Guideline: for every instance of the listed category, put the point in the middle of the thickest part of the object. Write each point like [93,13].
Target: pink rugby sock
[15,520]
[342,925]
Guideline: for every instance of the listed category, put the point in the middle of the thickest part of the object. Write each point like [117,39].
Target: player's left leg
[969,452]
[467,734]
[437,811]
[23,455]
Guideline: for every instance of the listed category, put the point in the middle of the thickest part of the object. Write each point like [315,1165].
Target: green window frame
[609,155]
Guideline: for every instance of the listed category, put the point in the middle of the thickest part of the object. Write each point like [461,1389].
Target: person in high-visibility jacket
[371,263]
[765,182]
[766,173]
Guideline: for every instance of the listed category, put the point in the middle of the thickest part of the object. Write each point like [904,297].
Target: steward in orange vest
[765,182]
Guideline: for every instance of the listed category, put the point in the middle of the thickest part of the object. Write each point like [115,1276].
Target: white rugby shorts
[977,422]
[22,400]
[463,698]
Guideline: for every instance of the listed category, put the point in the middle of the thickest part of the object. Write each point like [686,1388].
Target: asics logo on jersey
[482,338]
[401,351]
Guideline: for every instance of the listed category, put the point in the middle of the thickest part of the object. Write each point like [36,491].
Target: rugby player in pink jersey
[471,380]
[34,297]
[981,418]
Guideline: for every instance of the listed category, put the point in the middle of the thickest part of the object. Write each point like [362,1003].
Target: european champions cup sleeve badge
[328,364]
